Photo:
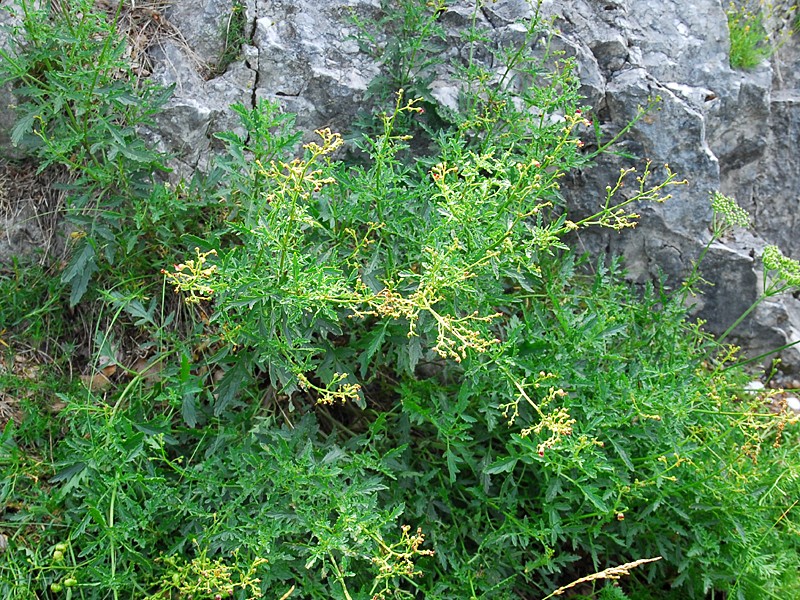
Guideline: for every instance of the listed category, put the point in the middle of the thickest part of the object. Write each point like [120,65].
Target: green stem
[639,116]
[291,227]
[761,356]
[340,577]
[742,317]
[112,544]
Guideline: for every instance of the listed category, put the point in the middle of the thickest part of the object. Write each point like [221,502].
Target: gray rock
[8,100]
[310,62]
[204,25]
[773,196]
[198,108]
[718,128]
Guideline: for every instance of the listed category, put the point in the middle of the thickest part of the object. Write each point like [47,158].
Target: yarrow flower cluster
[781,268]
[727,212]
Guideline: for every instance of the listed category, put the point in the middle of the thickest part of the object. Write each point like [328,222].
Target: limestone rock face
[198,108]
[204,26]
[720,129]
[309,59]
[7,98]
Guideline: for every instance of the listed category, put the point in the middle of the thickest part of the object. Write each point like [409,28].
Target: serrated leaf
[229,386]
[95,514]
[23,126]
[142,154]
[229,137]
[553,490]
[137,310]
[452,466]
[376,342]
[504,465]
[592,497]
[370,486]
[69,472]
[7,441]
[192,241]
[189,410]
[334,455]
[414,350]
[79,271]
[374,345]
[150,429]
[622,453]
[127,99]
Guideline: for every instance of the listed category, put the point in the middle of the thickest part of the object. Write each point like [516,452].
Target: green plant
[780,273]
[455,263]
[750,44]
[612,592]
[276,289]
[234,37]
[324,247]
[393,378]
[751,36]
[64,58]
[206,578]
[31,311]
[407,39]
[651,435]
[278,507]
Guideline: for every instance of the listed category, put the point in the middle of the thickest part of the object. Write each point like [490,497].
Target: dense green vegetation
[374,370]
[758,30]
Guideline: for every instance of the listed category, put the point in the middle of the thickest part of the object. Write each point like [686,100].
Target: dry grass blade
[145,25]
[610,573]
[287,594]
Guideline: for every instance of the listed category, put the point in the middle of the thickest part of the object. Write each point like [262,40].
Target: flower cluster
[193,276]
[783,272]
[558,422]
[398,559]
[727,212]
[336,390]
[455,335]
[330,142]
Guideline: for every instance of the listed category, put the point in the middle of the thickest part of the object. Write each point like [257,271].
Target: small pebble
[793,403]
[754,386]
